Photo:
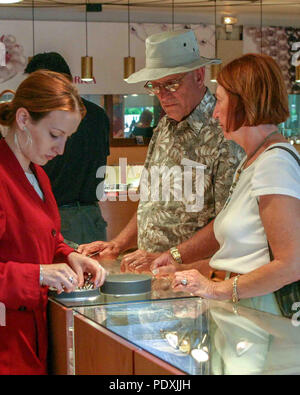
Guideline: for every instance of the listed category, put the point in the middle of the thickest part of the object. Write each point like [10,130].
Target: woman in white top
[264,202]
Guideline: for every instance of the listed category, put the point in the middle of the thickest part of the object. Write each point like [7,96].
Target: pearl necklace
[239,171]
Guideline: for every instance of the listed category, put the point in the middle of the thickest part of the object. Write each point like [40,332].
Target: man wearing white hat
[175,73]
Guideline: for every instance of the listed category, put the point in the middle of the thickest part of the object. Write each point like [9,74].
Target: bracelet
[176,255]
[235,296]
[41,276]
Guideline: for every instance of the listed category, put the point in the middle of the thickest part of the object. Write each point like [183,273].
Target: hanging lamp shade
[87,68]
[129,66]
[214,70]
[298,74]
[129,61]
[86,61]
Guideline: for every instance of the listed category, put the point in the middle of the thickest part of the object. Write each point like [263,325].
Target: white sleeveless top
[238,227]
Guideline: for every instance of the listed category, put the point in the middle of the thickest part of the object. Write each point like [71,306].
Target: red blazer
[29,236]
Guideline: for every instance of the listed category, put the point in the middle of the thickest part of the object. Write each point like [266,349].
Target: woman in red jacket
[45,111]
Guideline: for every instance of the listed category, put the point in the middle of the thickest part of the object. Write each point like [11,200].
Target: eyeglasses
[170,86]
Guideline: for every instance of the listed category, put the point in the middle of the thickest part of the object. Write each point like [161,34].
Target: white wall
[107,43]
[280,15]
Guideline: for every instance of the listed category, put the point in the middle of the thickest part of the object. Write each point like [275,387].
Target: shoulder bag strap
[288,150]
[289,294]
[298,160]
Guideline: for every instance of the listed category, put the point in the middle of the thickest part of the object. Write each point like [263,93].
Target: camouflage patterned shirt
[163,223]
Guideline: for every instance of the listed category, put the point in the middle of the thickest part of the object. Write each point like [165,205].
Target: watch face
[175,254]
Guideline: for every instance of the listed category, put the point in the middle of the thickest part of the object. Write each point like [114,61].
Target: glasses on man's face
[170,86]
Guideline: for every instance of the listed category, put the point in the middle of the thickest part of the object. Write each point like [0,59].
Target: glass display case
[185,333]
[60,314]
[201,337]
[291,127]
[160,289]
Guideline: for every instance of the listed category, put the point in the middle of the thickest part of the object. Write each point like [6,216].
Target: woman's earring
[16,141]
[29,138]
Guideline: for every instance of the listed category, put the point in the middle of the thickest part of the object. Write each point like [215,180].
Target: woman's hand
[84,265]
[164,264]
[109,249]
[59,276]
[193,282]
[138,261]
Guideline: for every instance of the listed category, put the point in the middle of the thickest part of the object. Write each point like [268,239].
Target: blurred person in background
[143,127]
[73,174]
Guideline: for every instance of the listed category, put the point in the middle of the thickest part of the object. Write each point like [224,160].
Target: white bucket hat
[170,53]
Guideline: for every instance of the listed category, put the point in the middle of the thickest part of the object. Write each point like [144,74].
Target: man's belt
[78,204]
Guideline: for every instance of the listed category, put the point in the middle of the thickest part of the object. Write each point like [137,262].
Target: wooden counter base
[99,351]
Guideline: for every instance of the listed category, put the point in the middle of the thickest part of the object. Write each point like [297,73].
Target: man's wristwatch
[175,255]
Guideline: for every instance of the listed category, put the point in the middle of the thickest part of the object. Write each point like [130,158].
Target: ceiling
[248,5]
[274,11]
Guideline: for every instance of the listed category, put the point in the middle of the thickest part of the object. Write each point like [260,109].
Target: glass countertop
[160,289]
[202,337]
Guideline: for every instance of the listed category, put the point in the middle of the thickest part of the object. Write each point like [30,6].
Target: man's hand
[106,249]
[138,261]
[164,264]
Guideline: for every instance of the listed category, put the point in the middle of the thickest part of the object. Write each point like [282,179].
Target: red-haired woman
[255,238]
[45,111]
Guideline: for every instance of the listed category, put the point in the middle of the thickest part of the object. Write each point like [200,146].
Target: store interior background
[44,26]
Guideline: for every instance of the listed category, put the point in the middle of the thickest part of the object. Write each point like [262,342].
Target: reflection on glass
[96,99]
[135,115]
[205,337]
[291,127]
[118,180]
[200,355]
[157,328]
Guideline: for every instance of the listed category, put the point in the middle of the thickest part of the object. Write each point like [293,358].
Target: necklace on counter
[239,171]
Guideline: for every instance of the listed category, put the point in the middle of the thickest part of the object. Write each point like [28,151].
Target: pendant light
[129,61]
[33,38]
[86,61]
[215,68]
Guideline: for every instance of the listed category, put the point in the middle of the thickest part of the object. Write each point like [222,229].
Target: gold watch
[175,255]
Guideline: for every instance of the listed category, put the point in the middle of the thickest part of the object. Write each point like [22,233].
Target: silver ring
[184,281]
[71,279]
